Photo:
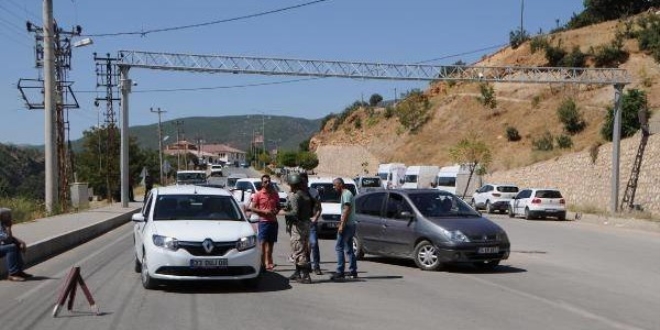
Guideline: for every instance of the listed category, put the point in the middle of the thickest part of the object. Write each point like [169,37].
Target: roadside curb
[47,248]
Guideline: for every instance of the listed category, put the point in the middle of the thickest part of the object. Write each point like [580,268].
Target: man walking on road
[345,232]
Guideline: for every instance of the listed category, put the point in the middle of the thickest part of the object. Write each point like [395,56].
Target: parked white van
[454,179]
[331,209]
[392,174]
[420,176]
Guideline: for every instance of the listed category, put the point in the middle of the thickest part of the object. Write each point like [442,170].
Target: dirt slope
[530,108]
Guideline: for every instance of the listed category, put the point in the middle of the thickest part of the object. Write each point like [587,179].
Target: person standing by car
[148,185]
[345,232]
[12,248]
[265,204]
[298,216]
[314,252]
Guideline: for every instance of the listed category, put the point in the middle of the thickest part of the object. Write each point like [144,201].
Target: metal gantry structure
[363,70]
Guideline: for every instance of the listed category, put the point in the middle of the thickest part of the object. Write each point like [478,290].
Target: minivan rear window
[510,189]
[548,194]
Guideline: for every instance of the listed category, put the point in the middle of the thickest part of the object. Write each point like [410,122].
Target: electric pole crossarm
[363,70]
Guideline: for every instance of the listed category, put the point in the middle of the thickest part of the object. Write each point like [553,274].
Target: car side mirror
[137,217]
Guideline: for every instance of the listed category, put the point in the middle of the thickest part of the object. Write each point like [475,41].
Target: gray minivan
[429,226]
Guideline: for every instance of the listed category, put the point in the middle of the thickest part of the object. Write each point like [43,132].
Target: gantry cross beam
[363,70]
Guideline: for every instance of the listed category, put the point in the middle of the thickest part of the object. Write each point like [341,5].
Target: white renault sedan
[194,233]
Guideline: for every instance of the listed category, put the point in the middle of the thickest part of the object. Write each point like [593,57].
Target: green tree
[304,145]
[474,153]
[413,111]
[307,160]
[632,102]
[517,37]
[287,158]
[487,97]
[98,162]
[375,99]
[571,117]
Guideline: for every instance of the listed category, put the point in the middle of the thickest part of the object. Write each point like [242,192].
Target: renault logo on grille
[207,245]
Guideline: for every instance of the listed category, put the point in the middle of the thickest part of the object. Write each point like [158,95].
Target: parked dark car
[431,227]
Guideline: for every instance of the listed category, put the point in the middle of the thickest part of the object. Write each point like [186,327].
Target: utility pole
[49,106]
[107,75]
[522,9]
[178,124]
[160,142]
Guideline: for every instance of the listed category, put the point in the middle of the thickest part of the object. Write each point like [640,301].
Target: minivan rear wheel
[426,256]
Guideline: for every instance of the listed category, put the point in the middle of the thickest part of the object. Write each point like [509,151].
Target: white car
[330,207]
[194,233]
[249,186]
[538,203]
[493,197]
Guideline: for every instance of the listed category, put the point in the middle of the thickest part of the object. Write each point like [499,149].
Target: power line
[215,87]
[191,26]
[11,12]
[36,17]
[463,54]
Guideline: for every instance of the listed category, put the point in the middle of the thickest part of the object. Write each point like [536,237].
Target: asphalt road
[561,275]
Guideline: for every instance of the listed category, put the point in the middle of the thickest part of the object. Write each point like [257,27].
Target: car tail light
[536,201]
[496,195]
[562,202]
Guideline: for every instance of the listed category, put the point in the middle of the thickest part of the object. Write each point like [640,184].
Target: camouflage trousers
[300,243]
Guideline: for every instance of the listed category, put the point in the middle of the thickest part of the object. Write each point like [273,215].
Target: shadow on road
[270,281]
[450,268]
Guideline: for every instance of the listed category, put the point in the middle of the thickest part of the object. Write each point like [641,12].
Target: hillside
[281,131]
[21,173]
[530,108]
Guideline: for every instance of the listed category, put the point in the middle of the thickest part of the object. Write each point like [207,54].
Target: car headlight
[166,242]
[455,235]
[246,243]
[502,237]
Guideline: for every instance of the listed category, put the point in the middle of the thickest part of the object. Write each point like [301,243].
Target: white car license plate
[488,249]
[209,263]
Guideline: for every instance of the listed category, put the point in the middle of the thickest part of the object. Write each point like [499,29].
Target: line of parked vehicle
[530,203]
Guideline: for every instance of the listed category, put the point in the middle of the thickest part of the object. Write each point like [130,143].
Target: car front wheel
[138,266]
[147,282]
[426,257]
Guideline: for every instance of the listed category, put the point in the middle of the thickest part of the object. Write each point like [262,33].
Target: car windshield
[190,177]
[547,194]
[411,178]
[196,207]
[446,181]
[383,176]
[328,194]
[215,174]
[370,182]
[509,189]
[441,204]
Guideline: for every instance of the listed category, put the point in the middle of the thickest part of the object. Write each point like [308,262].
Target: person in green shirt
[345,232]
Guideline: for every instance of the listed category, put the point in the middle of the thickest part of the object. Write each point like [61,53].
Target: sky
[381,31]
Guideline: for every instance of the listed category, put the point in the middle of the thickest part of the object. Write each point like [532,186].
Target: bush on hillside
[632,102]
[518,37]
[326,119]
[375,99]
[648,36]
[564,142]
[575,59]
[538,43]
[570,116]
[544,142]
[487,97]
[512,134]
[610,55]
[554,55]
[596,11]
[414,110]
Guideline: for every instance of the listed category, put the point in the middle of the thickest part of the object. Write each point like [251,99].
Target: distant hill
[236,131]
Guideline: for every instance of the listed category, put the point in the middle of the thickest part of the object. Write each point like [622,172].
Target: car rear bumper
[548,213]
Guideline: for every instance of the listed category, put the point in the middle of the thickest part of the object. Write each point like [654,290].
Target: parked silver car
[431,227]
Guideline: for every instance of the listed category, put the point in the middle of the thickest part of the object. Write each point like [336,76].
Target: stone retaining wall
[586,184]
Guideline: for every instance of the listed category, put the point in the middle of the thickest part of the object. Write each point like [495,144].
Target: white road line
[66,271]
